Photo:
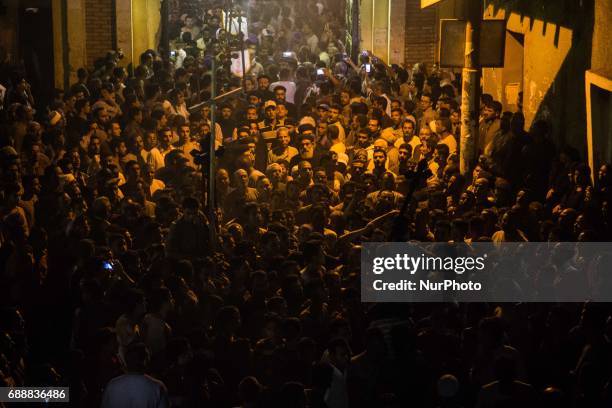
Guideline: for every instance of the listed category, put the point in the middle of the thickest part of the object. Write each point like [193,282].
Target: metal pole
[211,155]
[165,34]
[242,50]
[65,45]
[470,95]
[228,16]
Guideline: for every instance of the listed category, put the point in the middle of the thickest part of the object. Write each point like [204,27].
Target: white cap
[343,158]
[308,120]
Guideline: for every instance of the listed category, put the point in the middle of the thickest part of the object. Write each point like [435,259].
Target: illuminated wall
[550,64]
[136,23]
[146,23]
[382,28]
[601,57]
[70,48]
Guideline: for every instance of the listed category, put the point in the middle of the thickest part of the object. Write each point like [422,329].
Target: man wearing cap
[358,167]
[392,152]
[323,110]
[267,127]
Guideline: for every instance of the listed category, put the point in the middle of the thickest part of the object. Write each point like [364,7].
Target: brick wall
[99,28]
[421,33]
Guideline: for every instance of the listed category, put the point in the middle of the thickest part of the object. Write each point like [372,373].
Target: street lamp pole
[470,98]
[212,215]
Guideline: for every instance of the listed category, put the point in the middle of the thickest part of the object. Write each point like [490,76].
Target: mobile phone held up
[320,71]
[368,68]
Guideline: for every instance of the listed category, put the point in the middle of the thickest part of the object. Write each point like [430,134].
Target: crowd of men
[109,283]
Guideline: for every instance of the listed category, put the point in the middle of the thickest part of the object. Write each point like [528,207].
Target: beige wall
[382,27]
[76,39]
[541,60]
[398,32]
[555,58]
[58,43]
[145,25]
[601,57]
[502,82]
[74,45]
[9,29]
[365,25]
[123,13]
[137,30]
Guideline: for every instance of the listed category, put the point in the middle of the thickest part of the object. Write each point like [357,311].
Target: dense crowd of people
[110,284]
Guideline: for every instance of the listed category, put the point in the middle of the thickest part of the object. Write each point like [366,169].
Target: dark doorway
[36,47]
[601,120]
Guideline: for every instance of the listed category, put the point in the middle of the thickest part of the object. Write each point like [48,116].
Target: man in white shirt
[157,154]
[135,389]
[408,135]
[334,120]
[443,128]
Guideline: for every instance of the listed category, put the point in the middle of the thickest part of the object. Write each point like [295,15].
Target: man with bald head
[239,196]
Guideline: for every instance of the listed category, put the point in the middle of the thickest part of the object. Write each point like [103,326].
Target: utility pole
[164,40]
[470,95]
[212,215]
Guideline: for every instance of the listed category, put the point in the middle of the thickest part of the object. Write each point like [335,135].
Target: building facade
[557,59]
[55,38]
